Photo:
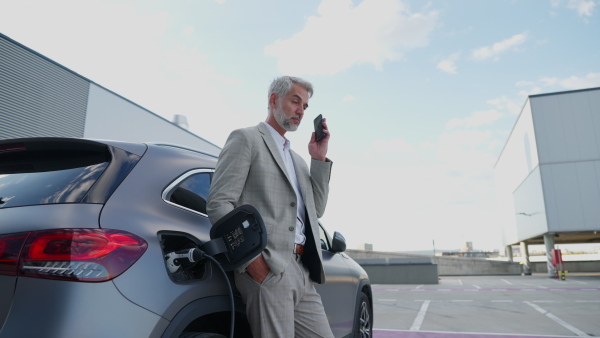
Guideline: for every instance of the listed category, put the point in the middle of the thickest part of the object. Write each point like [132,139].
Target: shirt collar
[279,139]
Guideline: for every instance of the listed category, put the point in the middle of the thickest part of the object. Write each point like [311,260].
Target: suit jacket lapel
[266,135]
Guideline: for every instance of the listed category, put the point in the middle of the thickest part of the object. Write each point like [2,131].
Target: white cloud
[189,30]
[549,81]
[532,91]
[582,7]
[493,51]
[454,123]
[343,35]
[448,64]
[477,119]
[589,81]
[348,98]
[504,103]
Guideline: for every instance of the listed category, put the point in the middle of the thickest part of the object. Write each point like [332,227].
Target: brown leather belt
[298,249]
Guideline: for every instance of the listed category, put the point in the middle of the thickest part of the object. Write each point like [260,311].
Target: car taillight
[85,255]
[10,248]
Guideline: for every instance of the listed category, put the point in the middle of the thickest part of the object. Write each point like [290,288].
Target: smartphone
[319,134]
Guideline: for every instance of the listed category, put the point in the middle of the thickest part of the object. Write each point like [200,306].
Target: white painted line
[559,321]
[502,301]
[460,282]
[507,282]
[420,286]
[587,301]
[477,286]
[576,281]
[544,301]
[416,326]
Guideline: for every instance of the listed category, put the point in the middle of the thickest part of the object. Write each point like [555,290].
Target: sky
[420,97]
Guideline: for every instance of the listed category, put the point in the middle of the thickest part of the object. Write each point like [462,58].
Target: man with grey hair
[257,167]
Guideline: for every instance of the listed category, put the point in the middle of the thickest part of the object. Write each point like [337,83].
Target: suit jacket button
[293,204]
[291,228]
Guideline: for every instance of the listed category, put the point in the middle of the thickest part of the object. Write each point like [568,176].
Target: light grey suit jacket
[251,171]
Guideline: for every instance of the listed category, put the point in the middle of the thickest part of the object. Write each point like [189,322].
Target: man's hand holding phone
[317,148]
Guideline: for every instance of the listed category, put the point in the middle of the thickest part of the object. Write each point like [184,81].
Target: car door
[340,289]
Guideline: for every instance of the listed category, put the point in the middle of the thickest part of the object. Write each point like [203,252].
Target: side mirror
[338,243]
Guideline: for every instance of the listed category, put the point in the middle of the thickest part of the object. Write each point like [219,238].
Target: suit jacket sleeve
[230,176]
[320,172]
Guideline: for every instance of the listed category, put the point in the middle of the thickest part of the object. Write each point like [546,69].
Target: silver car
[85,229]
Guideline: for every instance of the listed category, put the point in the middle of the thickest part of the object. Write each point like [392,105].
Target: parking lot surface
[491,307]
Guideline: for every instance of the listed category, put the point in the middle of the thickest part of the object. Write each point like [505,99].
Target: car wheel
[201,335]
[363,323]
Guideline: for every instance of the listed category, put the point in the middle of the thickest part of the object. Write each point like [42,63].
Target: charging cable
[176,259]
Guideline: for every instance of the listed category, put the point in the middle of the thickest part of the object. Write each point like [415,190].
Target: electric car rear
[84,230]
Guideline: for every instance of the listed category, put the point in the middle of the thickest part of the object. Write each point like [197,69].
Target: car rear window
[37,175]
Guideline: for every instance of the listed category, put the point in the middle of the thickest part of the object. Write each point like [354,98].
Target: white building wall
[111,117]
[572,195]
[567,126]
[548,175]
[568,135]
[518,160]
[530,209]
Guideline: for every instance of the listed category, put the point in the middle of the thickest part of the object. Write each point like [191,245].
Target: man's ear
[273,100]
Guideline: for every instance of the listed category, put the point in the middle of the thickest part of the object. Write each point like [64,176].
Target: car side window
[190,191]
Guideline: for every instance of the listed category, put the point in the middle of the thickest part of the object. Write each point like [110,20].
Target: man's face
[290,109]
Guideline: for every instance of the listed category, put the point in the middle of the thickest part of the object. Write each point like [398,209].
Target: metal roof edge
[565,92]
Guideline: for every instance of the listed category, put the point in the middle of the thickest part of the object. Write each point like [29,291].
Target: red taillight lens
[87,255]
[10,248]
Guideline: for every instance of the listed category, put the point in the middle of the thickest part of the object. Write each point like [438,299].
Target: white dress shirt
[283,145]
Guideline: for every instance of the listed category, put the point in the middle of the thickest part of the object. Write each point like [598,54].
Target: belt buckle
[298,249]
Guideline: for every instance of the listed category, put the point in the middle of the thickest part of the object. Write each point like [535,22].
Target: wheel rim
[365,320]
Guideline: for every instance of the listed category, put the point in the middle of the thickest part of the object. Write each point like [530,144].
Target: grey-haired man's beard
[283,120]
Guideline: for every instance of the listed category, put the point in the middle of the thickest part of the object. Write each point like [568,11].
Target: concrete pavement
[490,306]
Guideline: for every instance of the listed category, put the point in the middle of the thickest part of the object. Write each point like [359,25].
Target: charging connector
[176,259]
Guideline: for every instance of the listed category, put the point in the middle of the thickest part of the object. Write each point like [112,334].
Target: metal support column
[525,256]
[549,243]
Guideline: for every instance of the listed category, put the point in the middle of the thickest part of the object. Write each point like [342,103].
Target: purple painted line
[419,334]
[491,289]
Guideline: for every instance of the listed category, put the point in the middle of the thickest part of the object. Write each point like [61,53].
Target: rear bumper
[48,308]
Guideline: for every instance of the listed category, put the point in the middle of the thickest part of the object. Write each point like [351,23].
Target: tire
[363,320]
[201,335]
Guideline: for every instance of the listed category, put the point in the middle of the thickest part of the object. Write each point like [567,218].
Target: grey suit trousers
[288,299]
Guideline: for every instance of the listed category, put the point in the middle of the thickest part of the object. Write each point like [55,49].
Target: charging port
[172,242]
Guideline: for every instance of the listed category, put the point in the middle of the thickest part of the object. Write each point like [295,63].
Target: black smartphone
[319,134]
